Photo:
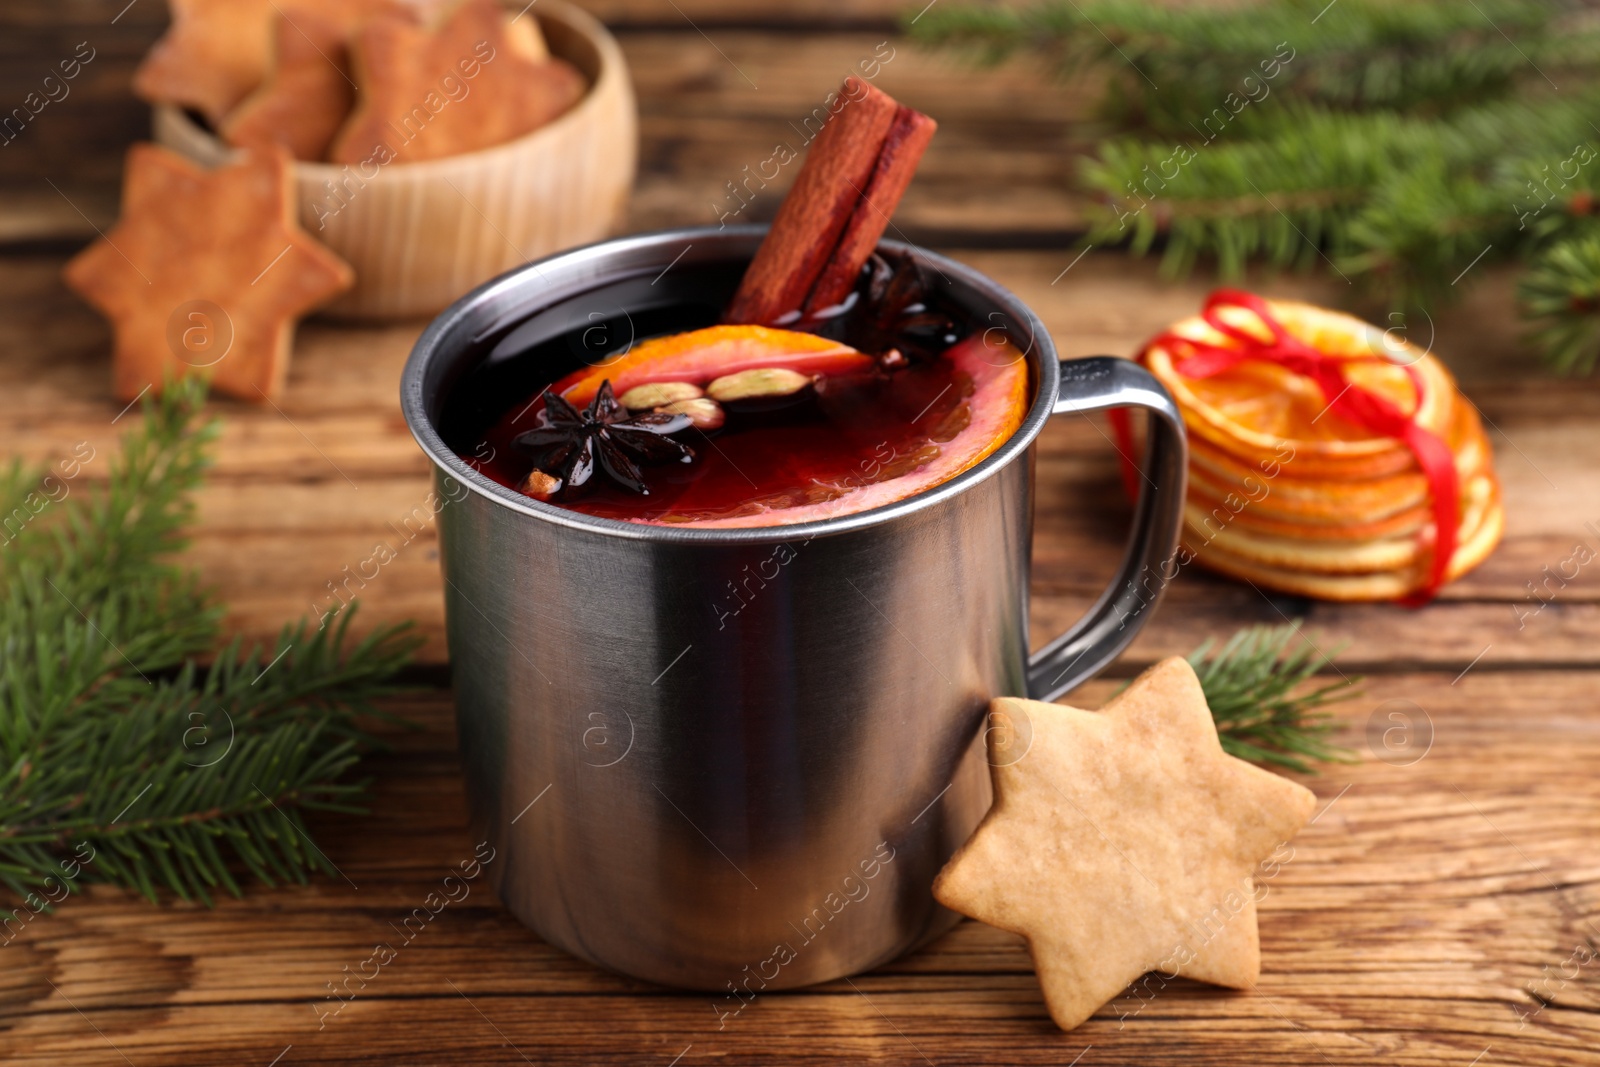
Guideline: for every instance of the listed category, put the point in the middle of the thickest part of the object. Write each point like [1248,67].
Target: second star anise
[892,310]
[605,436]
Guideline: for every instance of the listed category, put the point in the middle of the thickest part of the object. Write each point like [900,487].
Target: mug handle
[1096,384]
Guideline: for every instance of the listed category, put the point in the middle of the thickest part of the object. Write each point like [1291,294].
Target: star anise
[606,436]
[893,310]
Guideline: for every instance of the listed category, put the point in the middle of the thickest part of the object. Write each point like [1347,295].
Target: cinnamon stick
[908,137]
[842,199]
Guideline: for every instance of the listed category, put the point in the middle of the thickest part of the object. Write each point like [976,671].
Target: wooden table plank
[1415,920]
[1435,913]
[272,536]
[1000,169]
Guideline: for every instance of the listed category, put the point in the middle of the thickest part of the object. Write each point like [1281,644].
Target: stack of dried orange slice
[1321,452]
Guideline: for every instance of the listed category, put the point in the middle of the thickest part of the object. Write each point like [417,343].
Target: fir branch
[1400,144]
[122,758]
[1261,695]
[1427,55]
[1561,294]
[1401,201]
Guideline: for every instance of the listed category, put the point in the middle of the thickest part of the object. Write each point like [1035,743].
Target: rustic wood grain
[302,490]
[1419,920]
[1000,168]
[75,141]
[1432,914]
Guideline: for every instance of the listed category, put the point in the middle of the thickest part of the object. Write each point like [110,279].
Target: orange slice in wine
[995,406]
[701,355]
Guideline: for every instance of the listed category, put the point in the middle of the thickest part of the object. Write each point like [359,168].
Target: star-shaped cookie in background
[206,272]
[463,85]
[307,93]
[216,52]
[1123,841]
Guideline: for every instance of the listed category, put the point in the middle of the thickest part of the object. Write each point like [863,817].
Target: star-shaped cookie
[206,272]
[217,51]
[307,93]
[465,84]
[1123,841]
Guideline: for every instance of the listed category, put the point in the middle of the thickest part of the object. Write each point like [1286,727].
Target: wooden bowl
[419,235]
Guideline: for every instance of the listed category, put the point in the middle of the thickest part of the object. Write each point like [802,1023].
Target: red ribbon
[1346,399]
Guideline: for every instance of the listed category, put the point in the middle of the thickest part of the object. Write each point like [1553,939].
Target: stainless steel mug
[735,759]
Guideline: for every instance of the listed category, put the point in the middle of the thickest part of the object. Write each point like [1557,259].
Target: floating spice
[606,437]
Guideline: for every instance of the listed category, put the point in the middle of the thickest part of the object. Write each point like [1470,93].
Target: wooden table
[1442,908]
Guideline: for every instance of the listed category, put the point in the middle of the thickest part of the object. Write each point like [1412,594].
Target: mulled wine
[836,380]
[674,420]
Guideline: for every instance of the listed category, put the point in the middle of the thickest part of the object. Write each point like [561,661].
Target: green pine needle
[1168,61]
[1264,702]
[1398,144]
[122,758]
[1561,292]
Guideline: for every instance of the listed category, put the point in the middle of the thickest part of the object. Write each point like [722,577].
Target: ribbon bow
[1346,399]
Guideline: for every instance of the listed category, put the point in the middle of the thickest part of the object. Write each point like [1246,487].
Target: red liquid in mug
[853,430]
